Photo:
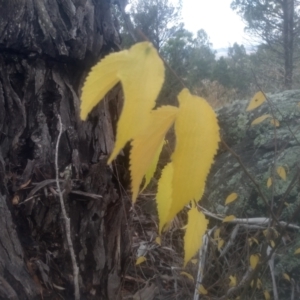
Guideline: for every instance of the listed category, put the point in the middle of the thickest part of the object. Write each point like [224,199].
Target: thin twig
[202,260]
[275,139]
[265,200]
[66,219]
[272,271]
[231,240]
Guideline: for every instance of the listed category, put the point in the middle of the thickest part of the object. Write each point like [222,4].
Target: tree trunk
[46,49]
[288,41]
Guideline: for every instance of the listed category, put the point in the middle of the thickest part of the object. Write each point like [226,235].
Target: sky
[221,23]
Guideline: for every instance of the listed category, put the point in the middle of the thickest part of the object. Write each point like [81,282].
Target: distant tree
[191,58]
[240,69]
[221,72]
[158,20]
[277,24]
[268,69]
[202,59]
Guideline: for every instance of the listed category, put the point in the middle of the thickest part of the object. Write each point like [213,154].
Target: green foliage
[276,24]
[221,72]
[191,58]
[156,19]
[240,69]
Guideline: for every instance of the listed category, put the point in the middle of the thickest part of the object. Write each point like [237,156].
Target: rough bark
[46,50]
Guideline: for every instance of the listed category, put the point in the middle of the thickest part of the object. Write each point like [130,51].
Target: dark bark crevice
[47,48]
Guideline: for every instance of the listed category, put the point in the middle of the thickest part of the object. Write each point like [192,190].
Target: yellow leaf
[286,277]
[269,182]
[257,100]
[140,260]
[196,227]
[221,243]
[260,119]
[297,251]
[146,147]
[275,122]
[141,73]
[217,233]
[100,80]
[142,78]
[229,218]
[152,168]
[158,240]
[267,295]
[258,284]
[251,240]
[164,195]
[232,197]
[197,138]
[281,172]
[286,204]
[254,259]
[194,261]
[189,276]
[202,290]
[272,243]
[232,282]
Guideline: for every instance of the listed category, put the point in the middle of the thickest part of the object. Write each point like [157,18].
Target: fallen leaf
[140,260]
[257,100]
[158,240]
[267,295]
[229,218]
[221,243]
[202,290]
[297,251]
[189,276]
[232,282]
[251,240]
[254,259]
[269,182]
[260,119]
[286,276]
[232,197]
[281,172]
[258,284]
[15,200]
[217,233]
[275,122]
